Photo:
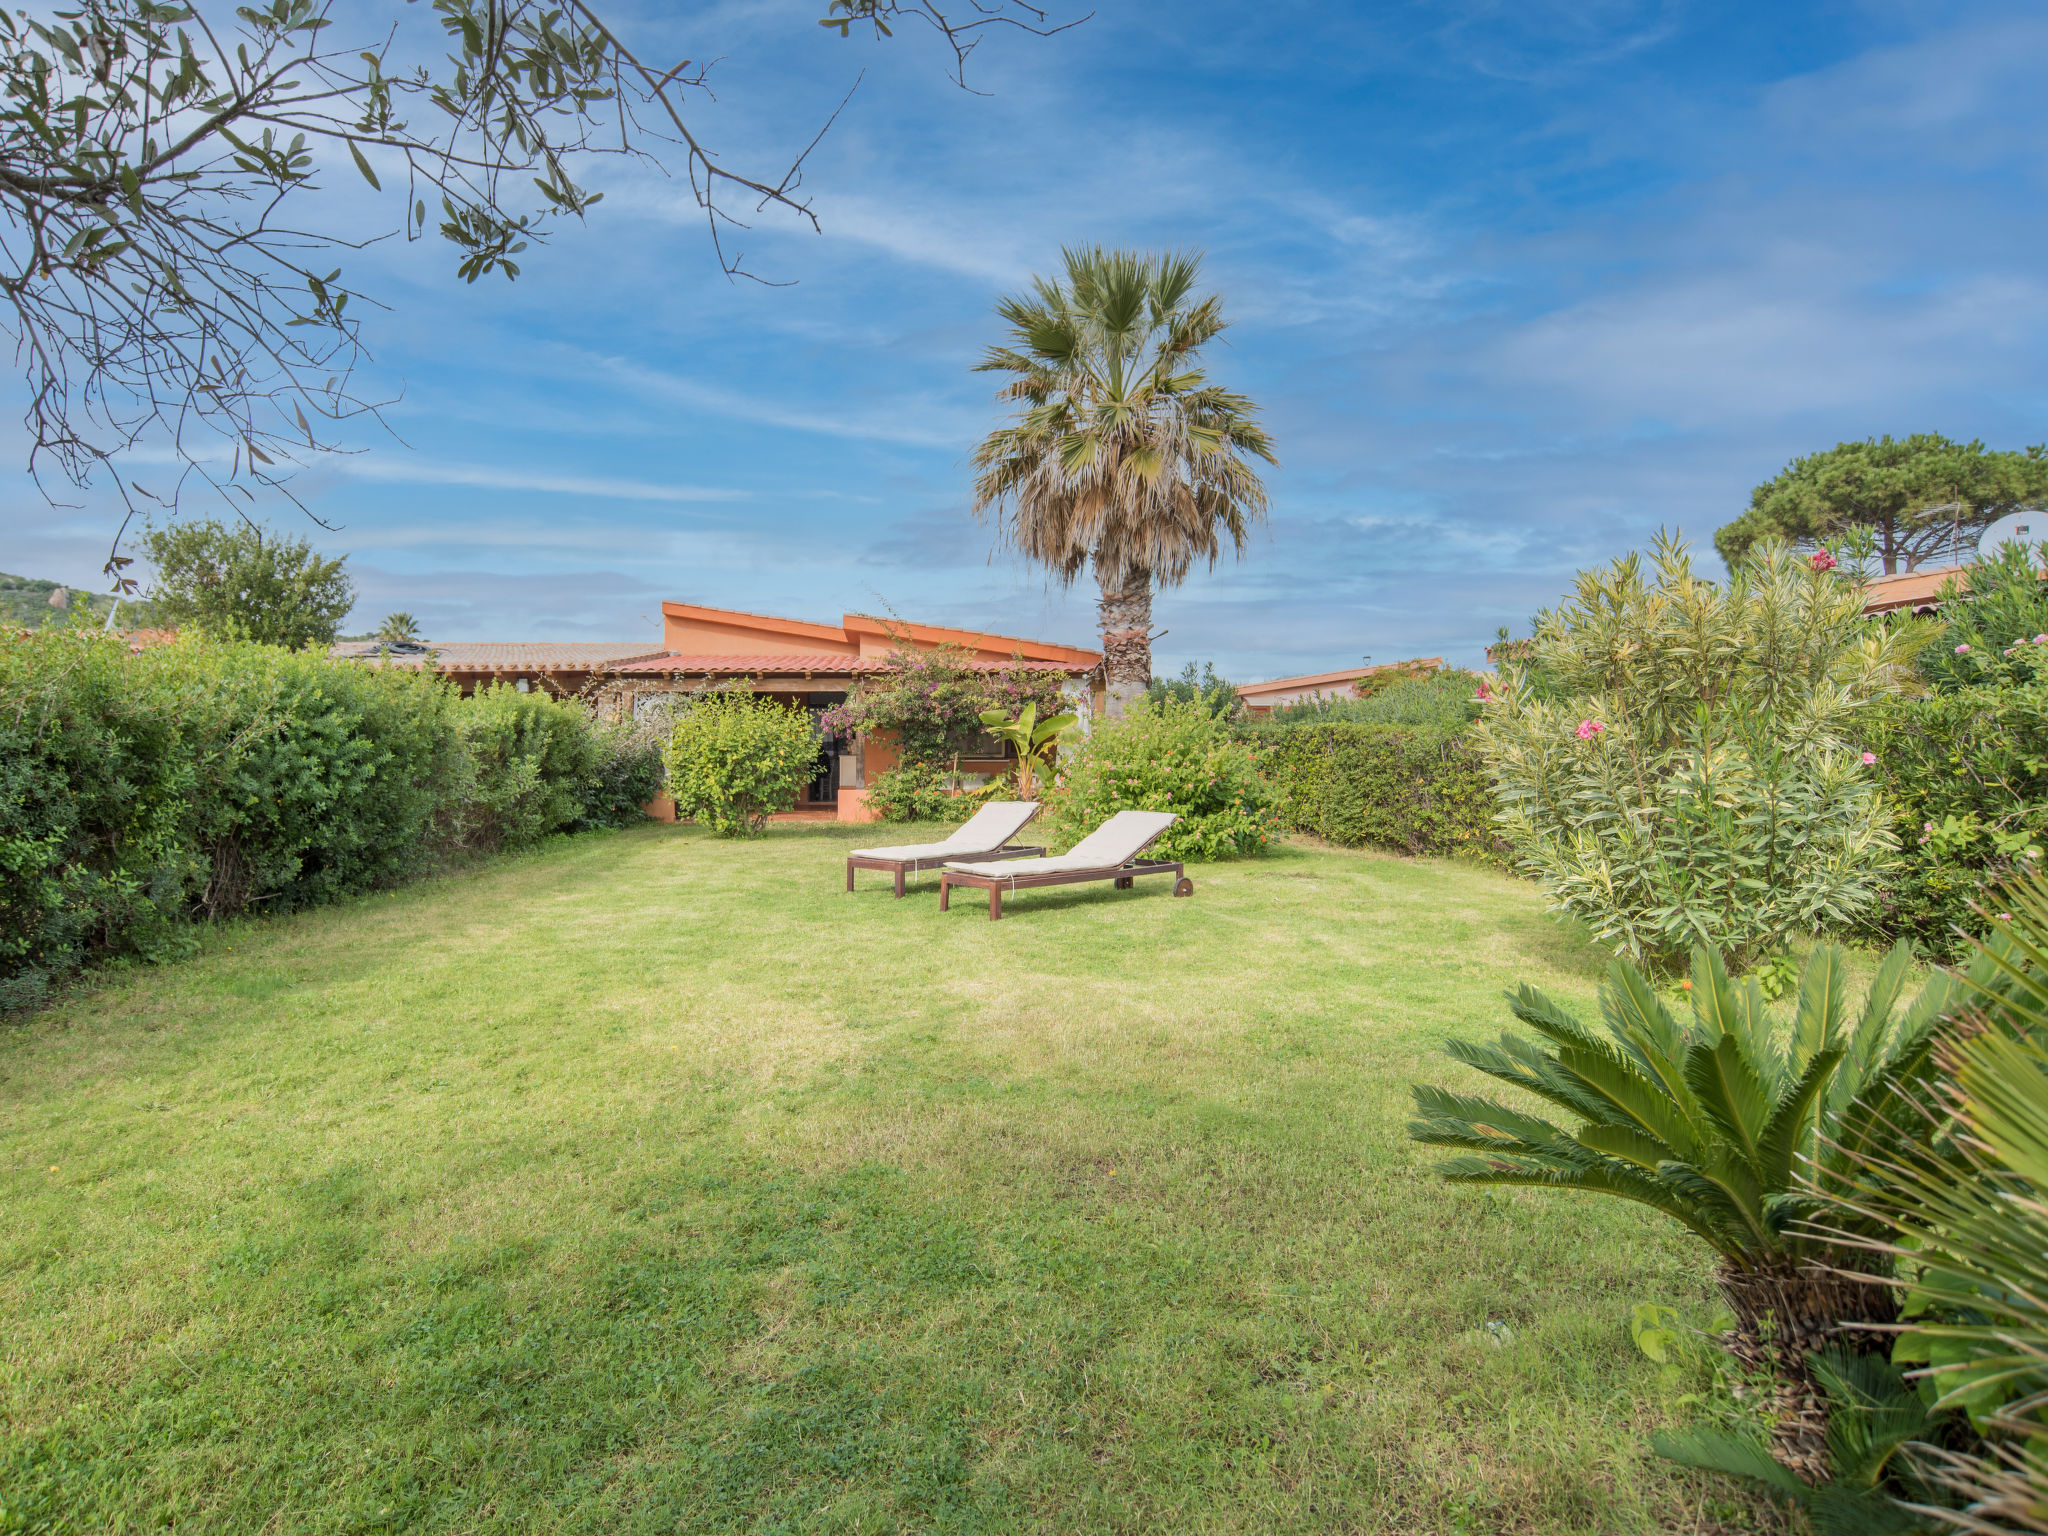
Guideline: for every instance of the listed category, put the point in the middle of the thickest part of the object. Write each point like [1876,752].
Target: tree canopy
[239,581]
[1918,495]
[171,281]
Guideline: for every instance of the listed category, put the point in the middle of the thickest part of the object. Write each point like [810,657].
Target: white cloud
[427,472]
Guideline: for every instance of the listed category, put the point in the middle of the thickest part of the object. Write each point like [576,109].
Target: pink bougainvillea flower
[1961,649]
[1869,758]
[1588,729]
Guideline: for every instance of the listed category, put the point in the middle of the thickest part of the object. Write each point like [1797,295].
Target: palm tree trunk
[1782,1314]
[1126,620]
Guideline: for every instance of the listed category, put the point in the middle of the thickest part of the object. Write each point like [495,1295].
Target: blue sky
[1517,284]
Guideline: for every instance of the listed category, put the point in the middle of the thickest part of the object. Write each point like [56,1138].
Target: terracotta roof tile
[784,664]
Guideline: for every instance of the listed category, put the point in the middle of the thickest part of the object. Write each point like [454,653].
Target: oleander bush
[1681,761]
[736,758]
[1410,788]
[199,780]
[1173,756]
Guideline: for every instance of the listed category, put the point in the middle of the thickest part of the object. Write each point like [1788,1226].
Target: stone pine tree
[1123,455]
[1920,496]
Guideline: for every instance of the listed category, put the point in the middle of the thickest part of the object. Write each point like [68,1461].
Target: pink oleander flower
[1962,649]
[1823,561]
[1588,729]
[1484,695]
[1869,758]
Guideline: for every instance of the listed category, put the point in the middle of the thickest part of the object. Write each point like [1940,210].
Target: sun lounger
[983,836]
[1110,852]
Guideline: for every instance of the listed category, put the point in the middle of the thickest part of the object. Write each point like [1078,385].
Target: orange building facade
[814,666]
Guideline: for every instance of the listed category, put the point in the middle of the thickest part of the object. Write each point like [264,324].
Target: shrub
[532,765]
[1679,762]
[1728,1121]
[735,759]
[200,779]
[1966,787]
[1442,699]
[933,702]
[1990,619]
[628,774]
[1416,789]
[925,792]
[1213,693]
[1170,757]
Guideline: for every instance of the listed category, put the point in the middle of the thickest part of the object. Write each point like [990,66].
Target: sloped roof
[506,655]
[1252,692]
[782,664]
[1907,589]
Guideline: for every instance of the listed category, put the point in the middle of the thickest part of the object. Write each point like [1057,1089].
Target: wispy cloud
[408,471]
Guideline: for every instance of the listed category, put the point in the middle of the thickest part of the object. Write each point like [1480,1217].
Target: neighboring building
[793,660]
[815,665]
[1914,591]
[1261,698]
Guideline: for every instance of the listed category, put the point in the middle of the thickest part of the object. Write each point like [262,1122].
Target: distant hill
[25,600]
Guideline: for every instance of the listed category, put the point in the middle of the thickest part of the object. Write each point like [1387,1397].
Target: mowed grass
[654,1183]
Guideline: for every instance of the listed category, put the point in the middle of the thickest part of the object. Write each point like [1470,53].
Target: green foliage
[1965,777]
[1215,694]
[1971,1211]
[1174,757]
[533,762]
[25,600]
[1915,493]
[204,779]
[924,792]
[1873,1415]
[1031,741]
[1679,762]
[736,758]
[397,629]
[1447,700]
[200,779]
[1417,789]
[933,701]
[240,583]
[627,774]
[1994,625]
[1718,1120]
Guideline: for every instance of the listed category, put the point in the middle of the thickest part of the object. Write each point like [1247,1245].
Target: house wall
[692,634]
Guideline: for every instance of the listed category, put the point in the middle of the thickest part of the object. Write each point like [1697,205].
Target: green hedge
[1416,789]
[196,781]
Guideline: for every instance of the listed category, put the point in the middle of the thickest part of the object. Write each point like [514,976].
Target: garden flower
[1823,561]
[1588,729]
[1869,758]
[2005,917]
[1484,695]
[2041,639]
[1961,649]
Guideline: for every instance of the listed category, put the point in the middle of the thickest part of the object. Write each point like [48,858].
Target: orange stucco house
[814,665]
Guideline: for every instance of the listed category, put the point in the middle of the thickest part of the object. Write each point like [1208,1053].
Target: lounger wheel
[1125,882]
[1183,886]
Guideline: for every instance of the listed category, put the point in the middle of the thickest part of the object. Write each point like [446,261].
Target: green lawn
[653,1183]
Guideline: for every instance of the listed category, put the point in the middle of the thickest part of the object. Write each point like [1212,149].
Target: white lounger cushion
[983,832]
[1116,842]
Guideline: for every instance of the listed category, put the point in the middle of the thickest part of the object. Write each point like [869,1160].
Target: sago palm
[1729,1122]
[1123,455]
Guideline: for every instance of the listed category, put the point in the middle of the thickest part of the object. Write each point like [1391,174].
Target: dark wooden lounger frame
[1125,875]
[902,867]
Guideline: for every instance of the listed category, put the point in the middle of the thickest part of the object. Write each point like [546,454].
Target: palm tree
[1733,1123]
[1123,456]
[398,629]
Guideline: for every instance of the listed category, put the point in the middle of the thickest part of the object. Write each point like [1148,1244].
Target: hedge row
[1416,789]
[195,781]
